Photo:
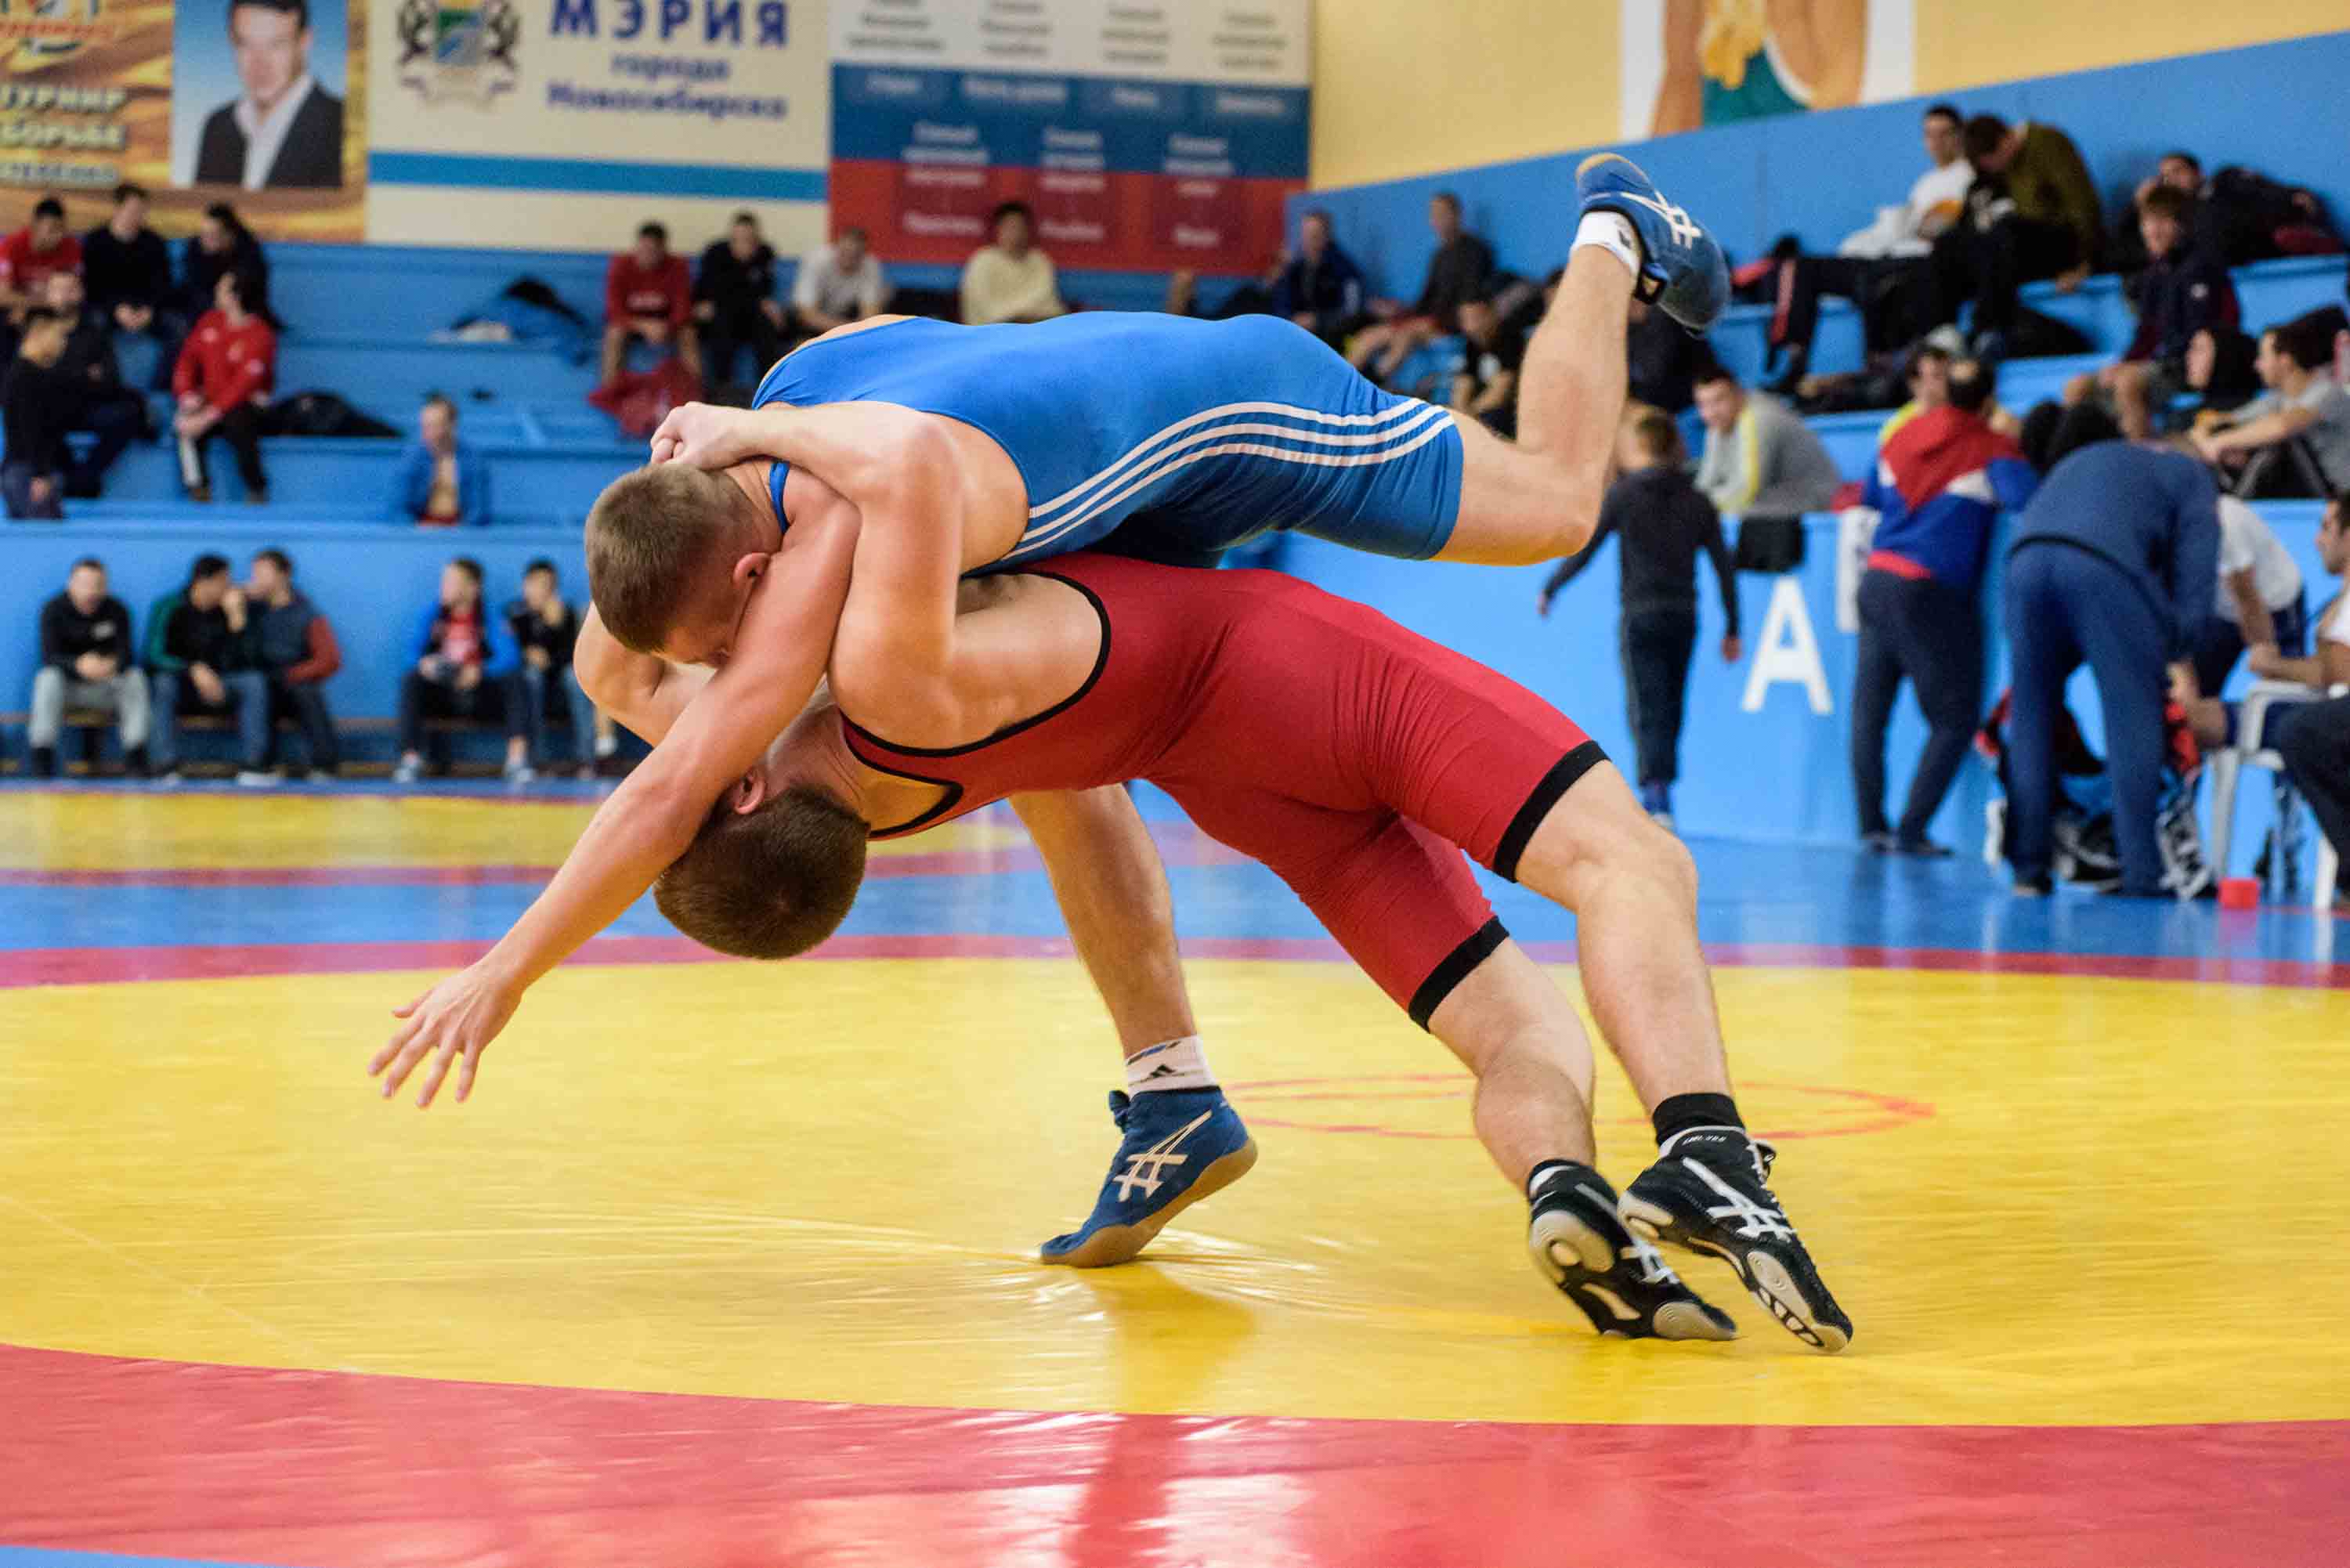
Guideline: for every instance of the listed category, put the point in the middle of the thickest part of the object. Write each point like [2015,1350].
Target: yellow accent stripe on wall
[1404,88]
[1983,41]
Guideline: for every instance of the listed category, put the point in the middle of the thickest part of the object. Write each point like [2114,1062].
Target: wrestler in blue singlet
[1203,432]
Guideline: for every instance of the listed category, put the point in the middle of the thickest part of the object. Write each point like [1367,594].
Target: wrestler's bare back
[994,497]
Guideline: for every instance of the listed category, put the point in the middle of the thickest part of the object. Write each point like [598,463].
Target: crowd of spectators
[723,320]
[245,655]
[67,305]
[510,669]
[255,657]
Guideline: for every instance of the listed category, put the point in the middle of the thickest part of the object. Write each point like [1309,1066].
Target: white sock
[1172,1065]
[1612,233]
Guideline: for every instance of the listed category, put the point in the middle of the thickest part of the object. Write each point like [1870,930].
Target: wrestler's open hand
[454,1021]
[707,436]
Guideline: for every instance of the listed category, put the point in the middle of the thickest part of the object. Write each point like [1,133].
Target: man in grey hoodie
[1763,466]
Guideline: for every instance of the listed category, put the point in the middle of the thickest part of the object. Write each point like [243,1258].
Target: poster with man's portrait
[258,93]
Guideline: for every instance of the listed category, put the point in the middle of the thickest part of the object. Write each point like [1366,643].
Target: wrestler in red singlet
[1306,732]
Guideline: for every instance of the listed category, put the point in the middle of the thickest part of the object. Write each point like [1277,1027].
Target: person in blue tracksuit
[2112,564]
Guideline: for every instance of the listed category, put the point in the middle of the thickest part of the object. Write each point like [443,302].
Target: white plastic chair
[2252,720]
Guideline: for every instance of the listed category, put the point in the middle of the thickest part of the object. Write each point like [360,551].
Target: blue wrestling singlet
[1204,433]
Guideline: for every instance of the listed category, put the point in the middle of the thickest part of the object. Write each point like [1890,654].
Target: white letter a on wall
[1787,651]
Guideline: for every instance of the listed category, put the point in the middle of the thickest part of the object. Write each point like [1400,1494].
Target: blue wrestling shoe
[1180,1146]
[1683,272]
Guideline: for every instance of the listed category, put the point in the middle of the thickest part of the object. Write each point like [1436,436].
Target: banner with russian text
[565,124]
[1147,134]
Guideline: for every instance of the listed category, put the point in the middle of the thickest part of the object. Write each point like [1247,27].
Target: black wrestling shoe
[1620,1282]
[1708,1192]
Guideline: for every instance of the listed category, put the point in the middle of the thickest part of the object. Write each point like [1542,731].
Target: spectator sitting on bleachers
[1882,269]
[2259,605]
[1662,361]
[2127,250]
[130,275]
[2183,290]
[2305,407]
[2031,213]
[111,412]
[226,370]
[29,255]
[295,648]
[1460,270]
[1763,466]
[1487,386]
[2252,218]
[2222,370]
[2313,738]
[1010,279]
[1320,287]
[85,664]
[223,244]
[465,663]
[1661,524]
[36,400]
[546,628]
[199,664]
[735,303]
[837,283]
[649,295]
[1937,486]
[440,481]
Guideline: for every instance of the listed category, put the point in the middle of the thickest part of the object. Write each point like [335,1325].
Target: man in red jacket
[226,370]
[29,255]
[648,294]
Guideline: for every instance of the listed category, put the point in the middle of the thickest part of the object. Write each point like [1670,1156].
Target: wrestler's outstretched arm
[650,819]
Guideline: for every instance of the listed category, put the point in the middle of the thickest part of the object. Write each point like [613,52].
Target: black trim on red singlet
[1556,783]
[1101,662]
[952,799]
[1458,965]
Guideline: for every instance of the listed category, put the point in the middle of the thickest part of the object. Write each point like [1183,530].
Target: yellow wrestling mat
[191,829]
[2041,1198]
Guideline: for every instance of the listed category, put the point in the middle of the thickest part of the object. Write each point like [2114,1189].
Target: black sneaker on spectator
[45,762]
[134,763]
[1878,843]
[1921,849]
[2034,887]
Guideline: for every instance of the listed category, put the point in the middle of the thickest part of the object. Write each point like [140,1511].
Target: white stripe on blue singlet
[1428,422]
[1141,451]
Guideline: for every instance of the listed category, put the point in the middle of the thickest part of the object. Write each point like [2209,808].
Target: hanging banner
[1146,136]
[209,101]
[567,122]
